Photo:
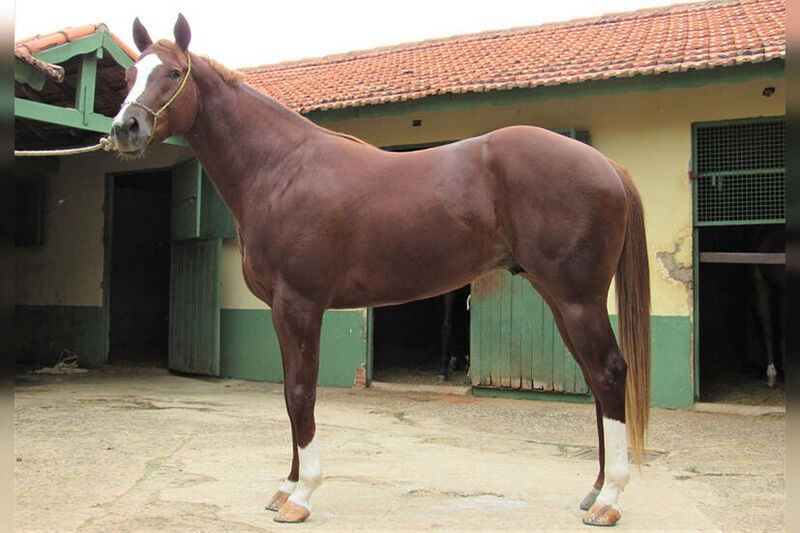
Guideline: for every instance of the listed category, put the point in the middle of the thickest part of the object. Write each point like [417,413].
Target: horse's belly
[397,274]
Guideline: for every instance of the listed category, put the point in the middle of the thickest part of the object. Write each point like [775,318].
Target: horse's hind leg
[764,312]
[590,498]
[448,301]
[297,324]
[595,347]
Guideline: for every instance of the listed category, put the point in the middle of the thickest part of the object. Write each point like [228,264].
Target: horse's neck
[240,136]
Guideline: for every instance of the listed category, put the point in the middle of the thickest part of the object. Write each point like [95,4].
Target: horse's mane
[230,76]
[235,77]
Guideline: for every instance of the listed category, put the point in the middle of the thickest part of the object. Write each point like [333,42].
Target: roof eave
[647,79]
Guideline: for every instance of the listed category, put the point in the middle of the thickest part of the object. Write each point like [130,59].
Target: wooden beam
[744,258]
[64,116]
[118,54]
[25,73]
[85,90]
[59,54]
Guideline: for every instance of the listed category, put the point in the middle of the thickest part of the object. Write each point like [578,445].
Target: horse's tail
[633,312]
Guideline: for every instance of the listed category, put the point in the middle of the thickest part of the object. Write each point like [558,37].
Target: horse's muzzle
[131,133]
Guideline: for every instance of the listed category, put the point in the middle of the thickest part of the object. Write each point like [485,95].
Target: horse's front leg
[287,487]
[297,323]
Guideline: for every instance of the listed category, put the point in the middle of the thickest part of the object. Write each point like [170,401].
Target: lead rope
[106,143]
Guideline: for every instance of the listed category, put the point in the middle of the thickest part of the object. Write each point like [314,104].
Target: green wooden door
[514,341]
[194,328]
[200,220]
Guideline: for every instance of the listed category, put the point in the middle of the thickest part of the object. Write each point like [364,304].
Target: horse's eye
[175,74]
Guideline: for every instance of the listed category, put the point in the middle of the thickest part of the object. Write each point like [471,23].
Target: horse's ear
[182,33]
[140,35]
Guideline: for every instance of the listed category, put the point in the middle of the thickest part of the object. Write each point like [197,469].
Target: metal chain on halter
[105,144]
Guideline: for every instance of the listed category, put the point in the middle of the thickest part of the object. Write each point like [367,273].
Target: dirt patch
[146,453]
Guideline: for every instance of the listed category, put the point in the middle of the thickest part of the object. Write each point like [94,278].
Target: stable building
[136,262]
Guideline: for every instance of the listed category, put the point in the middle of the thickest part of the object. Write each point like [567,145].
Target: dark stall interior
[740,307]
[140,269]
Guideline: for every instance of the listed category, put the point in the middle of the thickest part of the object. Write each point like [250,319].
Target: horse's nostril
[132,125]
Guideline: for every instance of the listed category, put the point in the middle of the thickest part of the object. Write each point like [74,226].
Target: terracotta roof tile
[644,42]
[39,43]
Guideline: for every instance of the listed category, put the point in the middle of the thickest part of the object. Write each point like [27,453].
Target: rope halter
[158,113]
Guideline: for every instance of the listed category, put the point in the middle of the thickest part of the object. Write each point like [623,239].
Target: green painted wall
[44,331]
[671,352]
[250,349]
[671,369]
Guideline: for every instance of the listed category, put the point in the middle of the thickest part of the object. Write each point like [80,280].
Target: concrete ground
[143,450]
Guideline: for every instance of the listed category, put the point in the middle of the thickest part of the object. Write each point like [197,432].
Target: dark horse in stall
[769,290]
[451,346]
[327,221]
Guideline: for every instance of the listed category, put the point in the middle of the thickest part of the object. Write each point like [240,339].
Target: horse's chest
[257,275]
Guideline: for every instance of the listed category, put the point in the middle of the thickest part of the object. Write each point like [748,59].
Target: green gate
[194,328]
[200,220]
[514,341]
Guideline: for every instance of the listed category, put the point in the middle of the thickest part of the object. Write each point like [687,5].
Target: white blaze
[617,471]
[144,67]
[310,474]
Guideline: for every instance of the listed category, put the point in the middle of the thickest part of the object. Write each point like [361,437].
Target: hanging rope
[105,144]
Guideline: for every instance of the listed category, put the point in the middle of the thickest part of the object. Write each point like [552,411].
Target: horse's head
[162,96]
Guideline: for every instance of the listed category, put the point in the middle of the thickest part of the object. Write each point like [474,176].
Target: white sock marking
[310,474]
[287,486]
[144,67]
[617,471]
[772,373]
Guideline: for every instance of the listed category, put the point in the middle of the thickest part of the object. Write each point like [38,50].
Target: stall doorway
[741,312]
[407,341]
[738,176]
[139,269]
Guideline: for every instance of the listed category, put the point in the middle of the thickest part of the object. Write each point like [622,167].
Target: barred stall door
[739,171]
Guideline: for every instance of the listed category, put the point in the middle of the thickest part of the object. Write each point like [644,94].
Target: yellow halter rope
[156,114]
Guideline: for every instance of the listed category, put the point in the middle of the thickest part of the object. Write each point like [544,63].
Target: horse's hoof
[602,514]
[772,373]
[588,501]
[278,499]
[291,513]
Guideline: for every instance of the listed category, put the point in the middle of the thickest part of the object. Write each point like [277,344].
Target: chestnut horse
[327,221]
